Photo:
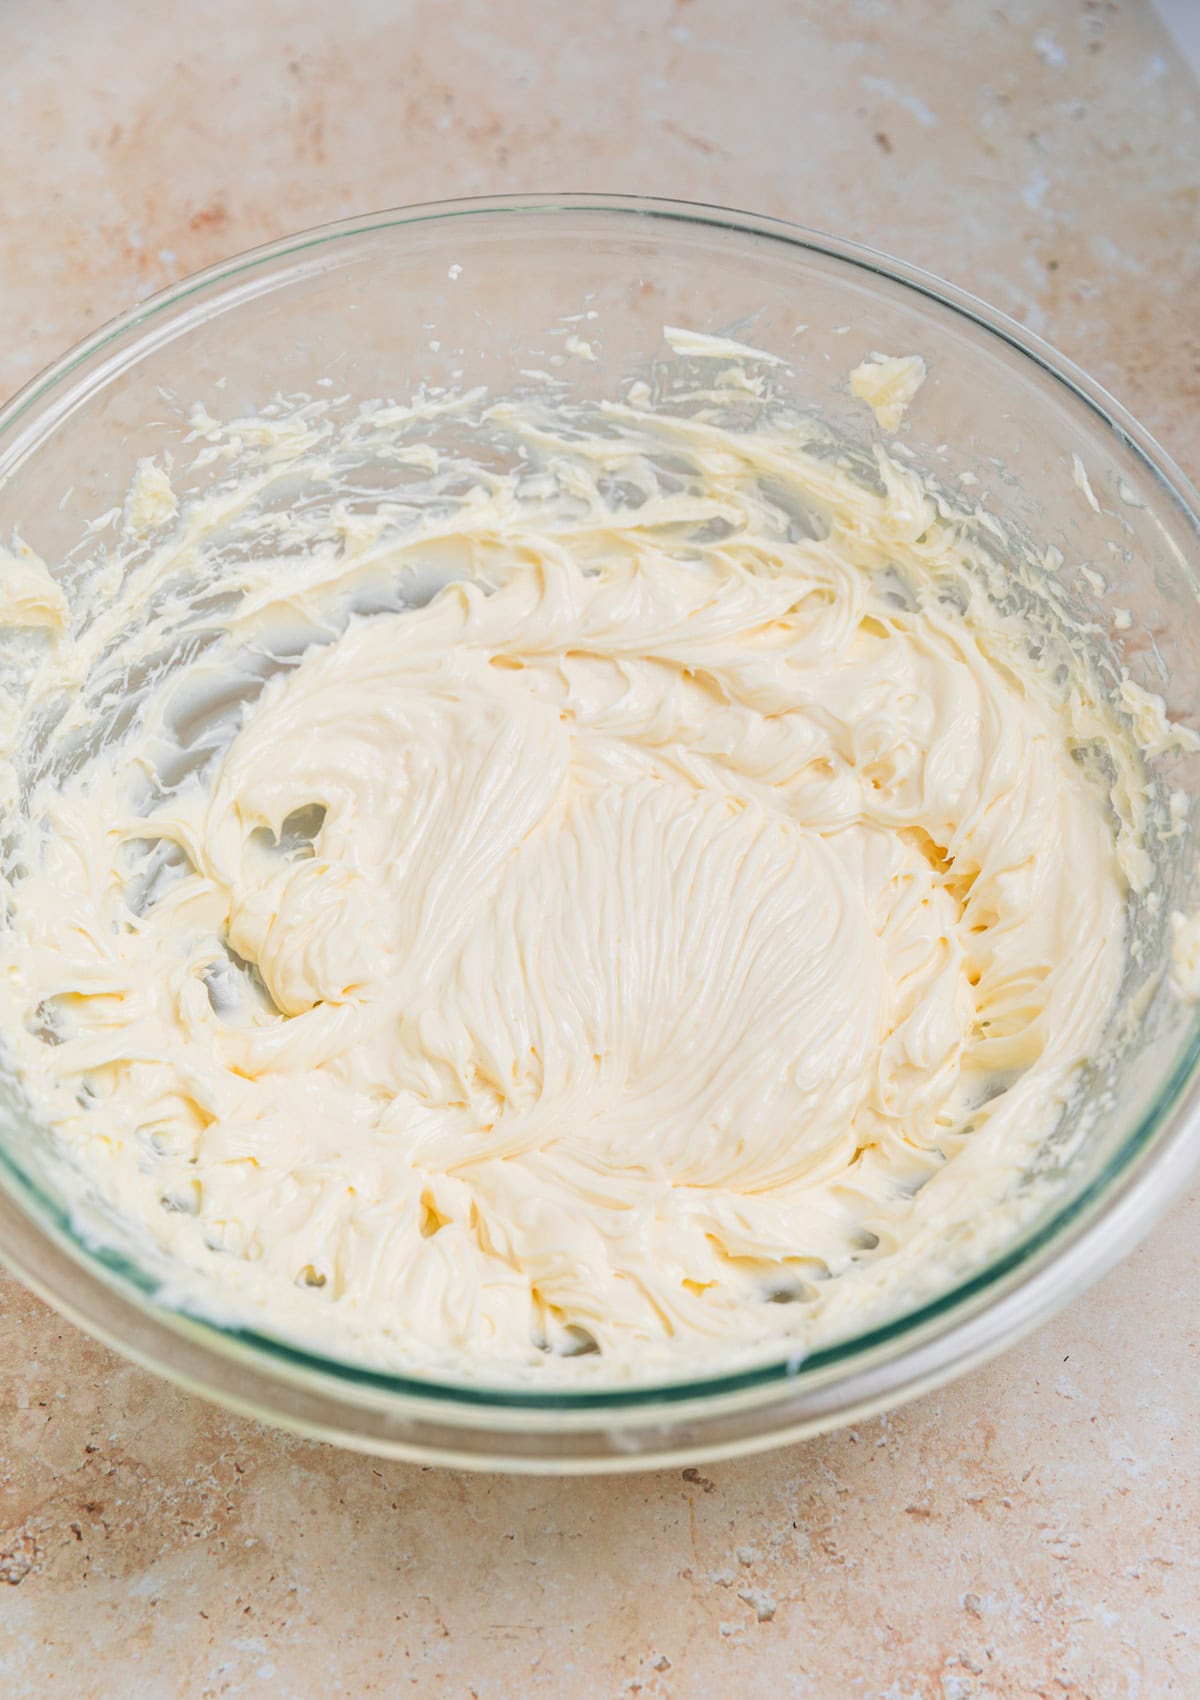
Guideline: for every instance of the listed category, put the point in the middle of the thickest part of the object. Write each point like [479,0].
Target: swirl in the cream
[666,926]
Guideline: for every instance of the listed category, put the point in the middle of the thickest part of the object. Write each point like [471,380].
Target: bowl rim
[1038,1273]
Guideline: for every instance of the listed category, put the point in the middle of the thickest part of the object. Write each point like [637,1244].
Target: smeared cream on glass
[888,384]
[676,936]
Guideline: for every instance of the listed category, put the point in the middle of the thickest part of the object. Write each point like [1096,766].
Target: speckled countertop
[1034,1531]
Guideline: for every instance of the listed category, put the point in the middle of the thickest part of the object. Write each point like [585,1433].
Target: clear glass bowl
[480,292]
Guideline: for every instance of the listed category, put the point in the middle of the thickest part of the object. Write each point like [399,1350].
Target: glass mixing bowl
[484,292]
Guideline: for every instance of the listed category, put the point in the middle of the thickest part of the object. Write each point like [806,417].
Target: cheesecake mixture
[604,909]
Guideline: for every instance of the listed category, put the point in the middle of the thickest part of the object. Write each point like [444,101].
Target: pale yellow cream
[675,937]
[888,384]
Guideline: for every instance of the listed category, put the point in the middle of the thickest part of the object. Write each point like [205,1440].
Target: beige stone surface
[1034,1531]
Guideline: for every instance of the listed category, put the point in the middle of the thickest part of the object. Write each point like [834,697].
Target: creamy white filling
[888,384]
[669,919]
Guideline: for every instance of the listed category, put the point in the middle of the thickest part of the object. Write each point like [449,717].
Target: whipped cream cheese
[888,384]
[669,934]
